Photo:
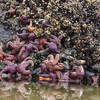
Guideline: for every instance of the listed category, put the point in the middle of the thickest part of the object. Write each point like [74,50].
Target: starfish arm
[58,73]
[51,57]
[14,51]
[46,43]
[16,38]
[28,58]
[43,67]
[21,53]
[56,59]
[60,37]
[1,45]
[7,62]
[29,62]
[52,40]
[3,53]
[22,43]
[53,37]
[9,43]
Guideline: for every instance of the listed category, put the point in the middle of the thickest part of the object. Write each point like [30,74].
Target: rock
[80,62]
[96,67]
[5,35]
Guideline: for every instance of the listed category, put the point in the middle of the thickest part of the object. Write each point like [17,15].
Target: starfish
[51,65]
[21,68]
[9,70]
[26,50]
[52,47]
[77,72]
[15,45]
[56,40]
[9,57]
[4,56]
[42,43]
[95,81]
[24,36]
[74,76]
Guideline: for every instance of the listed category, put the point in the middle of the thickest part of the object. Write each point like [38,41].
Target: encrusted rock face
[68,27]
[96,55]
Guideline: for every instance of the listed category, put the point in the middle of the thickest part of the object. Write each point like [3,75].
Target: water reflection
[14,91]
[61,91]
[54,91]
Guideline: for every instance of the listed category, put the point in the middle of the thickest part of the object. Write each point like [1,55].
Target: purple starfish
[26,36]
[56,40]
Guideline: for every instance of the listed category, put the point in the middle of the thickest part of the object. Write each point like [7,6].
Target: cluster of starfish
[16,70]
[17,59]
[53,70]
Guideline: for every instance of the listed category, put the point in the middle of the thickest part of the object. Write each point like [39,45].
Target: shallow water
[35,91]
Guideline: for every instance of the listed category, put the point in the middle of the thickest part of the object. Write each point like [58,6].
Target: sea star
[21,68]
[15,45]
[51,65]
[56,40]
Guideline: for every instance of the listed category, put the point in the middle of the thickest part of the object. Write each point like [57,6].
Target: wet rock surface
[5,35]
